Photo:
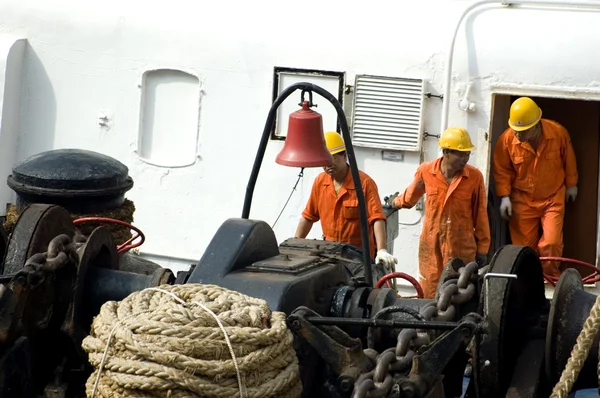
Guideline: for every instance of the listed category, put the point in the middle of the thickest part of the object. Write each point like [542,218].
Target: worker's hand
[387,259]
[571,194]
[480,259]
[505,208]
[388,201]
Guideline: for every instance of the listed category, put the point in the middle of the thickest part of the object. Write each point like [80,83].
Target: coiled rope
[579,354]
[191,340]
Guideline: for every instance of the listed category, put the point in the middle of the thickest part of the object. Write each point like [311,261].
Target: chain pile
[61,250]
[378,382]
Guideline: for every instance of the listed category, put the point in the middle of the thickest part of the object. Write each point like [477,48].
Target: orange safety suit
[536,183]
[456,224]
[339,213]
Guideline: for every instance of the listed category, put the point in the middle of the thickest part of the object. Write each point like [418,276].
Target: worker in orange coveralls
[333,200]
[535,171]
[456,223]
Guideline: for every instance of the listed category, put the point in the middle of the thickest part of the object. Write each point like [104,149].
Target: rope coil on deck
[166,342]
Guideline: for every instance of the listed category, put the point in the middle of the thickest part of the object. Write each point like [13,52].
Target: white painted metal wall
[81,69]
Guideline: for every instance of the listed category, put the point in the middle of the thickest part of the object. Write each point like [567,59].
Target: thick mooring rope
[579,353]
[191,341]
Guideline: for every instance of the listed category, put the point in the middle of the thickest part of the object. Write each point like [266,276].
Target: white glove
[386,258]
[505,208]
[571,194]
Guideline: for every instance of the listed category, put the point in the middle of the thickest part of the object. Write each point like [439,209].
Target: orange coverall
[339,213]
[456,224]
[536,183]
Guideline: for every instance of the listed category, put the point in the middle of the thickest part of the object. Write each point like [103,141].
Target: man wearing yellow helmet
[535,171]
[456,223]
[333,201]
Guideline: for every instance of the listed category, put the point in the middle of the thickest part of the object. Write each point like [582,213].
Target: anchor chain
[378,382]
[61,250]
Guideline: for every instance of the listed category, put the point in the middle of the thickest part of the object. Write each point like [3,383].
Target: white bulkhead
[179,91]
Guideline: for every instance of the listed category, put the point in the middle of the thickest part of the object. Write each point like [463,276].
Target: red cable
[125,246]
[550,280]
[404,276]
[594,277]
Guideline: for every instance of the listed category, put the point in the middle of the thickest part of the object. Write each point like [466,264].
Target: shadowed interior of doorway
[582,121]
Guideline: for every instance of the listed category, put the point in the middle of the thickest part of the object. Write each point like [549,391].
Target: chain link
[378,383]
[61,250]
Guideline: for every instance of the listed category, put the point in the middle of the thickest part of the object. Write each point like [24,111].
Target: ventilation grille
[387,113]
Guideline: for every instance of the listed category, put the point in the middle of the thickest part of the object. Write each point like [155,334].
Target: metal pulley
[514,310]
[571,306]
[54,282]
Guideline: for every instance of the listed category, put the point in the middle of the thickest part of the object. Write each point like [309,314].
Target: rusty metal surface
[388,306]
[528,372]
[102,285]
[401,358]
[48,302]
[3,244]
[383,323]
[130,262]
[45,302]
[428,366]
[12,307]
[98,251]
[55,288]
[39,292]
[341,352]
[34,304]
[569,282]
[426,369]
[571,306]
[375,336]
[450,272]
[16,371]
[515,307]
[37,225]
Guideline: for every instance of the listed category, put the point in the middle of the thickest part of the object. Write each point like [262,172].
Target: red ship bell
[305,144]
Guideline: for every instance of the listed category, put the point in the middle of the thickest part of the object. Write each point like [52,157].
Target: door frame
[558,92]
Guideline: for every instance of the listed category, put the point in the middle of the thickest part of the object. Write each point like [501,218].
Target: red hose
[550,280]
[592,278]
[125,246]
[404,276]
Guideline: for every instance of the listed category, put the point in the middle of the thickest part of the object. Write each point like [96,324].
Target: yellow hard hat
[334,142]
[524,114]
[457,139]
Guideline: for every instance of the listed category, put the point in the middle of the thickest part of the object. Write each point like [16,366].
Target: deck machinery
[352,339]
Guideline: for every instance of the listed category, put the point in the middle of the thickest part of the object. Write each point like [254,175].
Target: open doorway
[582,121]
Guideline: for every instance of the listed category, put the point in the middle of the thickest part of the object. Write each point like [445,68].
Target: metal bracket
[429,95]
[389,200]
[427,135]
[428,366]
[486,279]
[341,352]
[16,366]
